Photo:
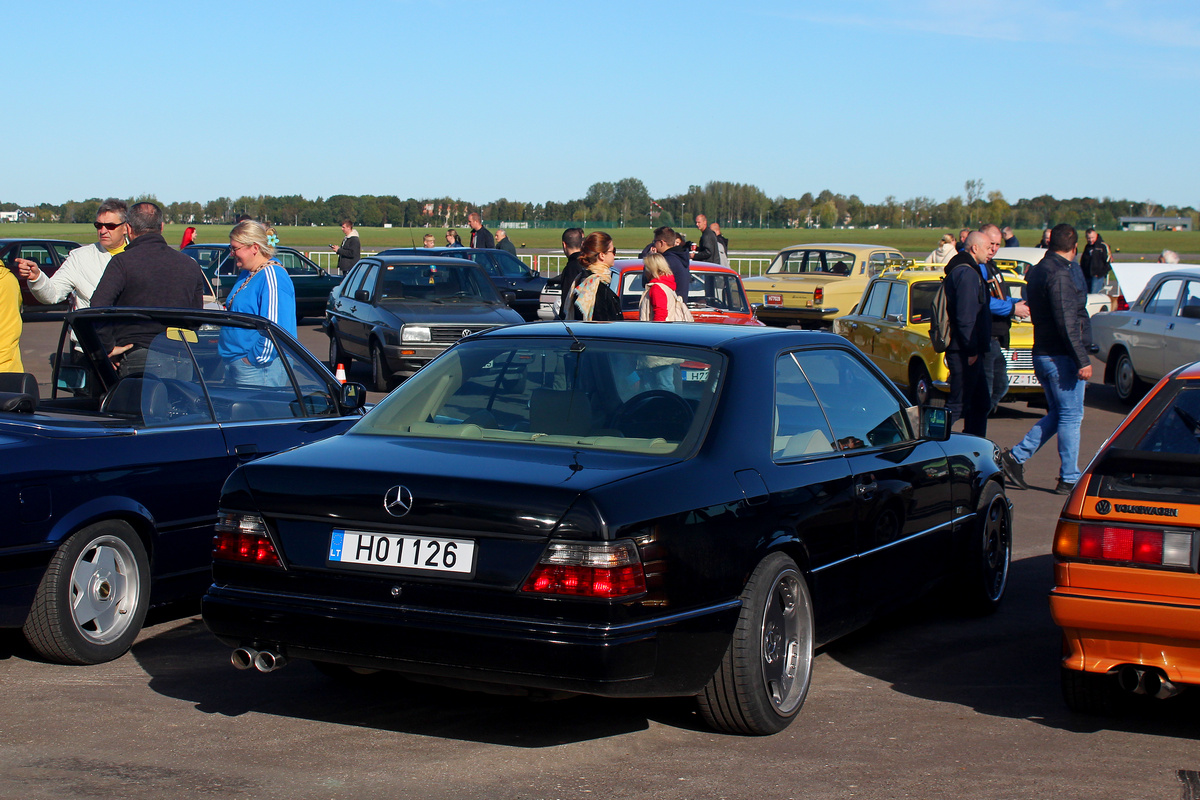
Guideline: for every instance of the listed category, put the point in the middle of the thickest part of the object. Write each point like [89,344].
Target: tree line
[627,203]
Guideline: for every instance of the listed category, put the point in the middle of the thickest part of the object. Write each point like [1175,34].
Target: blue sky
[538,100]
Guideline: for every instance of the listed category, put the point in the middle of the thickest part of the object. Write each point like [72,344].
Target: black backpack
[939,319]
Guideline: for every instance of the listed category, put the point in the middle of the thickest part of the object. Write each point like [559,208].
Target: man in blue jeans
[1062,338]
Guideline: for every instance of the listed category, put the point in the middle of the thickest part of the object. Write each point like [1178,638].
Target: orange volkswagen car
[1127,592]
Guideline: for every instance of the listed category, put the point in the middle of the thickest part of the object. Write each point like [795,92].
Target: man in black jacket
[350,249]
[480,236]
[970,335]
[572,243]
[707,251]
[1062,338]
[665,243]
[1094,261]
[150,273]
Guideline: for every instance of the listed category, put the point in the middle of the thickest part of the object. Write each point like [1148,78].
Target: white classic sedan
[1020,259]
[1158,333]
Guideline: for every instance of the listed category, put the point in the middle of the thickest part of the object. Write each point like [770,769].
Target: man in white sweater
[84,266]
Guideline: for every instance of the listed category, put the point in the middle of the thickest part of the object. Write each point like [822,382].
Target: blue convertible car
[110,485]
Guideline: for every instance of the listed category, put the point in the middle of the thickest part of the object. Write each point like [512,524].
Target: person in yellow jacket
[10,322]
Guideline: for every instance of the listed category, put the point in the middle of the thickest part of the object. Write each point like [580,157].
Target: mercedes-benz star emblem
[1103,507]
[398,501]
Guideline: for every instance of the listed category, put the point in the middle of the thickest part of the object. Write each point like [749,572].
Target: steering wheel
[653,414]
[186,399]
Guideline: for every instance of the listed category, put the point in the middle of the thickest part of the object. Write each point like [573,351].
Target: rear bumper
[1101,633]
[672,654]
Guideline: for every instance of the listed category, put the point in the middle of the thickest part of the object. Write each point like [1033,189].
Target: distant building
[1155,223]
[10,216]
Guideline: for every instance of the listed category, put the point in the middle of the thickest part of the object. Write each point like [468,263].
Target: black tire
[989,554]
[1093,693]
[379,371]
[1130,387]
[766,671]
[336,354]
[92,600]
[920,385]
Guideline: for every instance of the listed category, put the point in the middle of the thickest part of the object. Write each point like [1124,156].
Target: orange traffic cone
[340,374]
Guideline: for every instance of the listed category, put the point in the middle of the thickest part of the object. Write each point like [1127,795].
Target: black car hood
[478,486]
[451,312]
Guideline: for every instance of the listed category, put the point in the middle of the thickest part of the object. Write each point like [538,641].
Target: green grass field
[909,240]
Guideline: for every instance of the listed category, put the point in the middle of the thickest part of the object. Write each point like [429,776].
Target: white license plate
[695,374]
[1023,380]
[389,551]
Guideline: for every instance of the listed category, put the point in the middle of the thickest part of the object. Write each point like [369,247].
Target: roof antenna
[578,346]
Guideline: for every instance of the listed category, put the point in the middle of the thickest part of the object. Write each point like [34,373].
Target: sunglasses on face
[108,226]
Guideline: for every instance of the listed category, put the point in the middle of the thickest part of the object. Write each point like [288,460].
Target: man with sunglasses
[84,266]
[150,273]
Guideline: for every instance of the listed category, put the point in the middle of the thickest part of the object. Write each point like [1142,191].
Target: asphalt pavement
[924,704]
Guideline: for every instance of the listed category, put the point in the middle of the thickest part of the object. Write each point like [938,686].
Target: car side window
[316,400]
[370,279]
[167,391]
[922,300]
[63,249]
[37,253]
[484,260]
[897,303]
[876,300]
[1164,297]
[352,281]
[228,268]
[800,427]
[294,264]
[511,267]
[1190,307]
[877,264]
[861,411]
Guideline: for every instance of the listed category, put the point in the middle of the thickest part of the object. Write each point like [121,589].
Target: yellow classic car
[891,326]
[811,285]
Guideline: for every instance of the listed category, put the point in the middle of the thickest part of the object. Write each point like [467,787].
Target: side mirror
[935,423]
[894,318]
[509,296]
[354,396]
[363,296]
[72,378]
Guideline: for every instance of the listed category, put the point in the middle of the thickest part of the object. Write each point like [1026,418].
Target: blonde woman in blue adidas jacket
[262,288]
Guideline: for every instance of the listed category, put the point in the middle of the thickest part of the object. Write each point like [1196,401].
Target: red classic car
[716,294]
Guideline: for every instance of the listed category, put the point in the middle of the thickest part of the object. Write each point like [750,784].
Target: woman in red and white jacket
[660,274]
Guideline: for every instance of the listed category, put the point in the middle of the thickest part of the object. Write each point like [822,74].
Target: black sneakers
[1063,487]
[1014,471]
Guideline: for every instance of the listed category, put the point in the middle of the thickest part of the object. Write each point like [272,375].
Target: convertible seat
[18,392]
[140,399]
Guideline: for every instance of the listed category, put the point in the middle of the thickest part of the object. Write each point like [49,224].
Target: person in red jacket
[660,276]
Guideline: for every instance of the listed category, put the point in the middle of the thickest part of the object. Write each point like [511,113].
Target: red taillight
[575,569]
[243,537]
[1121,304]
[819,294]
[1135,545]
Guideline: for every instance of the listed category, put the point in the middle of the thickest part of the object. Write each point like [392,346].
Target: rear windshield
[1158,455]
[636,398]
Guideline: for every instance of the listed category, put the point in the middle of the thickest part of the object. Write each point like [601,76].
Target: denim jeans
[1097,285]
[244,374]
[995,374]
[1059,376]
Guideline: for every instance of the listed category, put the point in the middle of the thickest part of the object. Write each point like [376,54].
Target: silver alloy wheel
[786,642]
[105,589]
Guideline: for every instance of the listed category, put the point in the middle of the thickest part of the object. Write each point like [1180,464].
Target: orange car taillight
[819,294]
[244,538]
[607,570]
[1121,544]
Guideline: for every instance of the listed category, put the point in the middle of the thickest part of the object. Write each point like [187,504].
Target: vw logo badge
[1103,507]
[466,332]
[398,501]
